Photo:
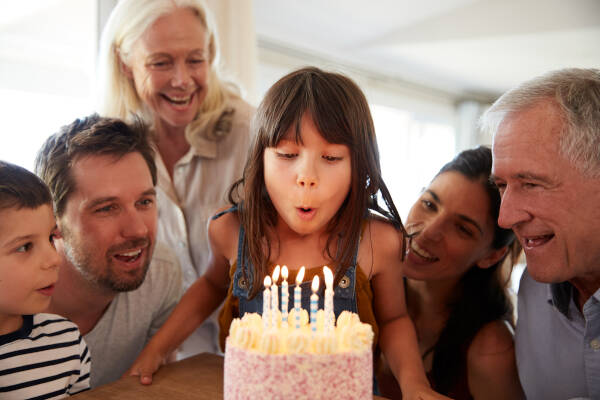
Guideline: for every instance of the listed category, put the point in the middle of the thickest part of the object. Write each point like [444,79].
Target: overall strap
[233,208]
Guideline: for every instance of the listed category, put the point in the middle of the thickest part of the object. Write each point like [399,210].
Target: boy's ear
[57,231]
[492,258]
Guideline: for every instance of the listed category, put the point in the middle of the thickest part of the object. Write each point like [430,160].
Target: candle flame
[315,283]
[276,275]
[284,273]
[300,276]
[267,281]
[328,277]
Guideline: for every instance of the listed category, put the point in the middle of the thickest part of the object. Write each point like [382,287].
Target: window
[47,55]
[411,152]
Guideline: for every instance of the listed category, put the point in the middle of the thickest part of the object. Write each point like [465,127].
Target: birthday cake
[275,359]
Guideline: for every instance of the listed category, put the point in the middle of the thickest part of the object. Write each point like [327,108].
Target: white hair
[116,93]
[576,92]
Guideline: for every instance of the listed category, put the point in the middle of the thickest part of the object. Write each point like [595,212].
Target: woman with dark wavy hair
[456,286]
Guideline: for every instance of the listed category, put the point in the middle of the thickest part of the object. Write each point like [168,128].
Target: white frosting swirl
[269,343]
[349,335]
[324,343]
[298,342]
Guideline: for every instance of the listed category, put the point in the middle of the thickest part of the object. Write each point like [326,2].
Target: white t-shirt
[132,318]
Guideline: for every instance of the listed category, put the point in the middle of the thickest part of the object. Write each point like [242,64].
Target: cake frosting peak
[347,335]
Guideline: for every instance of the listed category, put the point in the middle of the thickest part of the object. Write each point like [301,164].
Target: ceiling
[468,48]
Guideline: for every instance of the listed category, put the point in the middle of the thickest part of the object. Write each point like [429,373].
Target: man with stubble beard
[114,283]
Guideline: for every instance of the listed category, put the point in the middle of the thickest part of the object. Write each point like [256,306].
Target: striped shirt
[46,359]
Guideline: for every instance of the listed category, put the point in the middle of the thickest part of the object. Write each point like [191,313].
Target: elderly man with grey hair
[546,165]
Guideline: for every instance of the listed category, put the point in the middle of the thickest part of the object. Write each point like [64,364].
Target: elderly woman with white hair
[159,62]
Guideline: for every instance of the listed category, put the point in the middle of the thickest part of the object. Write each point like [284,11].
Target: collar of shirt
[20,333]
[560,296]
[204,141]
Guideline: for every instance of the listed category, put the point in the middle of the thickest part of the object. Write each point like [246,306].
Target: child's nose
[307,181]
[307,175]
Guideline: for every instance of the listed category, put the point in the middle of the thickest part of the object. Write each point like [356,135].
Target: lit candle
[284,295]
[275,296]
[298,296]
[266,302]
[314,303]
[329,318]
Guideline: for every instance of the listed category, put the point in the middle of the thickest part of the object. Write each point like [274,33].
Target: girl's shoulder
[384,236]
[223,230]
[380,245]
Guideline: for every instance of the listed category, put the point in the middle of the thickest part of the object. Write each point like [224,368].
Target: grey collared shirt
[557,347]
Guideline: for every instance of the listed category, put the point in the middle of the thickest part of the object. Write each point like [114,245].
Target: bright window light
[411,152]
[47,55]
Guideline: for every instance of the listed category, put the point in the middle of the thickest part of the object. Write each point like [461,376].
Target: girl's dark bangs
[289,118]
[331,127]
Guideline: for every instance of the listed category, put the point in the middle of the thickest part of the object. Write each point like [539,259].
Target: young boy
[41,355]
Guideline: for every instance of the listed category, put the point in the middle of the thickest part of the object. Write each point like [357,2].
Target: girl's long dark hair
[341,113]
[481,295]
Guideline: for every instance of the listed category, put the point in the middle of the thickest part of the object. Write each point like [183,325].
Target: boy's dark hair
[92,135]
[20,188]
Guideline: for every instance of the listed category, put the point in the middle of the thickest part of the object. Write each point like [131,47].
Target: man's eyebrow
[522,176]
[150,192]
[533,177]
[108,199]
[101,200]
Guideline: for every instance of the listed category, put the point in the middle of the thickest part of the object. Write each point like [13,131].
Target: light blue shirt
[557,347]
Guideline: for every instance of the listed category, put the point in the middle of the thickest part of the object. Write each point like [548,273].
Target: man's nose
[134,224]
[511,210]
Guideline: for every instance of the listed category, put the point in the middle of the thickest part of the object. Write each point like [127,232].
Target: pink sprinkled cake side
[250,375]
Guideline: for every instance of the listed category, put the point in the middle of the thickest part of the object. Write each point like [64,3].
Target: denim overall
[344,296]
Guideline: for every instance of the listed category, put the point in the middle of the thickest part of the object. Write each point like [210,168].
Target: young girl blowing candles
[308,197]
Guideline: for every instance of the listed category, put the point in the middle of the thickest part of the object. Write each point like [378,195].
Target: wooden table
[199,377]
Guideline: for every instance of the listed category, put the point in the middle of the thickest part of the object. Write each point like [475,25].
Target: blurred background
[429,68]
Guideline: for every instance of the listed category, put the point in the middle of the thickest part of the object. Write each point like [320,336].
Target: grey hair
[576,92]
